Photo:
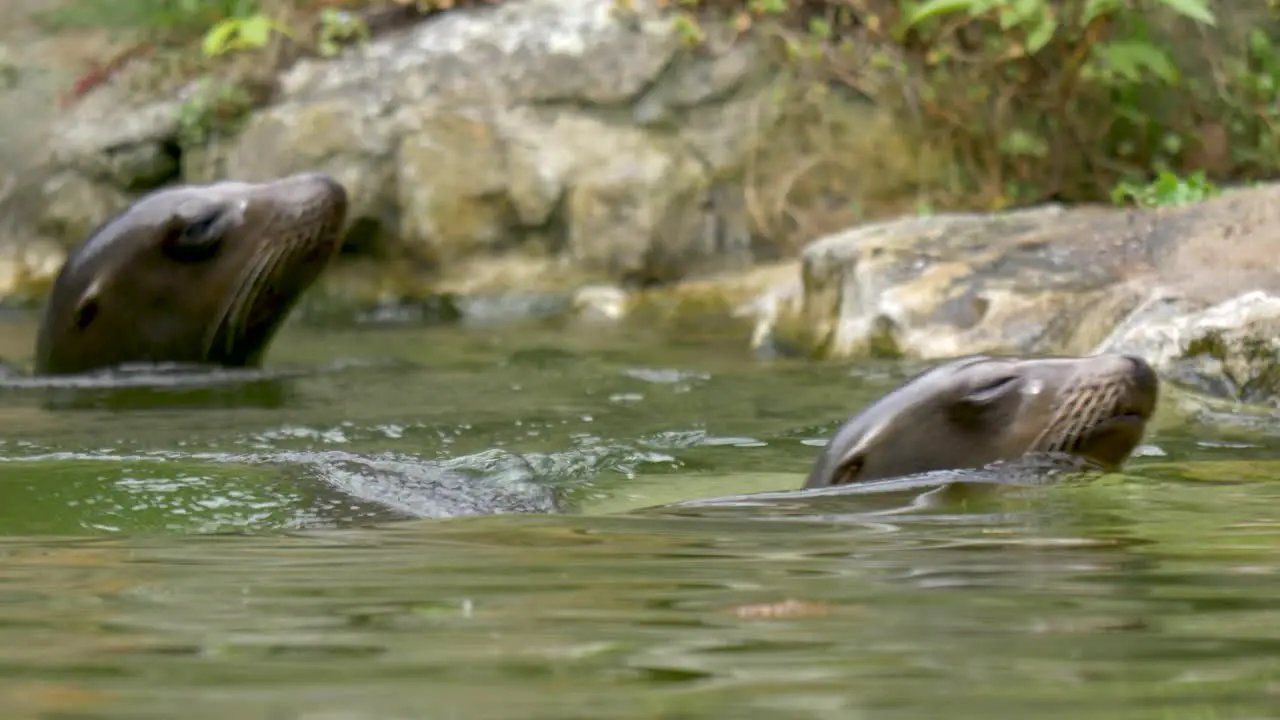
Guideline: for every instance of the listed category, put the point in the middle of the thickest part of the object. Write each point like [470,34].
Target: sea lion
[972,412]
[200,274]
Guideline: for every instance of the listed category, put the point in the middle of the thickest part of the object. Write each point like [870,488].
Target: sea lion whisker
[1088,406]
[1066,437]
[1059,427]
[1084,411]
[226,317]
[257,282]
[232,307]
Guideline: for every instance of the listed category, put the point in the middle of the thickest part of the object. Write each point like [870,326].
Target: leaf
[1259,43]
[1195,9]
[284,30]
[1008,18]
[255,32]
[1166,184]
[1097,8]
[1019,12]
[1021,142]
[1040,36]
[217,39]
[1129,60]
[935,8]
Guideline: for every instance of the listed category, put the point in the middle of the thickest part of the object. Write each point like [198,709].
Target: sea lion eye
[85,313]
[991,389]
[849,470]
[195,240]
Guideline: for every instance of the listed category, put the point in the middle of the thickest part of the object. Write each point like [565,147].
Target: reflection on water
[220,556]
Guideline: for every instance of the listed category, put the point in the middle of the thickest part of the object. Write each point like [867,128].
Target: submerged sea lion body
[200,274]
[973,412]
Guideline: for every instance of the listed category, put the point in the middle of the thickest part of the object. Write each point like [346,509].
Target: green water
[199,555]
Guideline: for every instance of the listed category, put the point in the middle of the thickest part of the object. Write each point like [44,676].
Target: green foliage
[338,28]
[1248,103]
[1046,99]
[212,108]
[166,18]
[249,32]
[253,32]
[1166,190]
[1035,100]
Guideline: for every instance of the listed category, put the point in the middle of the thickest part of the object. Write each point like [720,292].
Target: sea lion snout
[1102,412]
[975,411]
[306,195]
[1145,388]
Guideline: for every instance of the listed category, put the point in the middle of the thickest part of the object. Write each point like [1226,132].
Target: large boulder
[1193,288]
[554,131]
[946,285]
[1229,349]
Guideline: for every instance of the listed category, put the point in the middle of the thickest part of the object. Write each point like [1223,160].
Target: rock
[125,152]
[563,130]
[455,202]
[74,206]
[948,285]
[1194,289]
[1039,280]
[726,295]
[595,303]
[10,70]
[1230,349]
[531,52]
[27,270]
[617,206]
[351,138]
[37,70]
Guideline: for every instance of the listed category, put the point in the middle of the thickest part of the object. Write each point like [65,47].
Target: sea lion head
[974,411]
[191,273]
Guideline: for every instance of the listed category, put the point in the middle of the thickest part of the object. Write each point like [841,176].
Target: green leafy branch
[233,34]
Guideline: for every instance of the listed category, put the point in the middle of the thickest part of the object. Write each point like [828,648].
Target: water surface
[200,554]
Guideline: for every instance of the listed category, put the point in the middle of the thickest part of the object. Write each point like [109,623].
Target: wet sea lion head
[191,273]
[974,411]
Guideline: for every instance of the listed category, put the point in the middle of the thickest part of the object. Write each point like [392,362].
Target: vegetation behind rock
[1015,102]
